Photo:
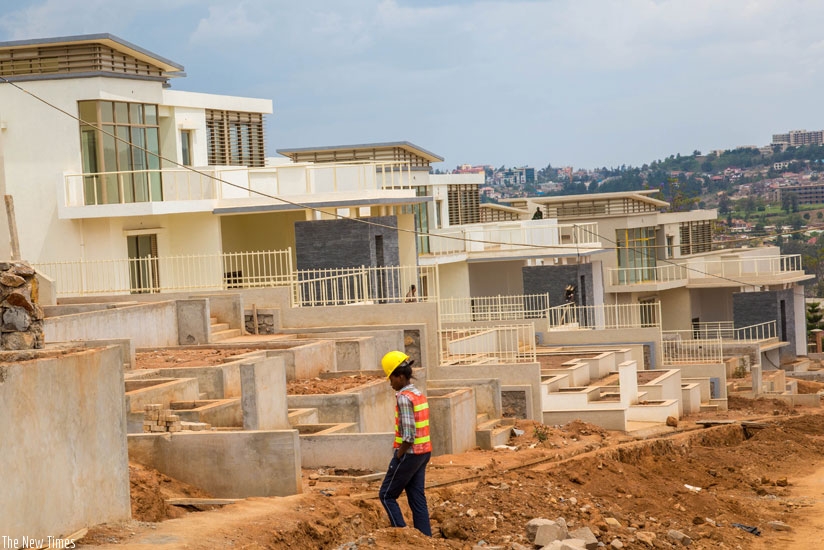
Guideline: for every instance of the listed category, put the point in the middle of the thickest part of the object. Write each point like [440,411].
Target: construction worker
[412,447]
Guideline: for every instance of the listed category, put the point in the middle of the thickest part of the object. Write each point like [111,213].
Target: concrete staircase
[491,432]
[221,331]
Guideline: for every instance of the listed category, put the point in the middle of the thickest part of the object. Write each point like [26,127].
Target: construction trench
[282,439]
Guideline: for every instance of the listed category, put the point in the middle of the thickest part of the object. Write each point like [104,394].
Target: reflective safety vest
[420,408]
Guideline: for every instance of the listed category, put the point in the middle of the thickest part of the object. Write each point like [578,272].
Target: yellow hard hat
[393,360]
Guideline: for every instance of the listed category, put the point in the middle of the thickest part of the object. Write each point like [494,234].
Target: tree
[724,204]
[814,317]
[819,215]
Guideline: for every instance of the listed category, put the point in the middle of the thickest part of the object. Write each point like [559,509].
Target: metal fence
[679,347]
[727,331]
[604,316]
[479,345]
[493,308]
[363,285]
[170,273]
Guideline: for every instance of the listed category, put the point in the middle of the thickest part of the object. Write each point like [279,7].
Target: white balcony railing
[702,269]
[604,316]
[653,274]
[528,235]
[727,331]
[679,347]
[170,273]
[475,345]
[493,308]
[363,285]
[756,266]
[180,184]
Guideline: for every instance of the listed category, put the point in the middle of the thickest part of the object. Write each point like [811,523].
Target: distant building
[795,138]
[807,194]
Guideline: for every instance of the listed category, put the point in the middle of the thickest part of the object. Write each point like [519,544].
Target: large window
[125,168]
[636,254]
[235,138]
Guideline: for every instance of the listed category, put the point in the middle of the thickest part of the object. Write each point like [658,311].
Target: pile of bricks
[158,419]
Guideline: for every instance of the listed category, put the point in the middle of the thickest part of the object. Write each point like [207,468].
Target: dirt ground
[699,481]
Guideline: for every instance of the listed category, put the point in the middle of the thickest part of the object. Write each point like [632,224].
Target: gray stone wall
[555,278]
[327,244]
[752,308]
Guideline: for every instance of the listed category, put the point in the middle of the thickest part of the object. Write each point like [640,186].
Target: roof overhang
[343,203]
[106,39]
[405,145]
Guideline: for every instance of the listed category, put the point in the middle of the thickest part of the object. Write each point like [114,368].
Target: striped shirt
[406,415]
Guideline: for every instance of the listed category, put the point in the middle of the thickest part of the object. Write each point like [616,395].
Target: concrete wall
[371,406]
[452,417]
[499,278]
[634,339]
[193,324]
[162,393]
[371,451]
[516,374]
[263,395]
[64,453]
[304,359]
[609,419]
[152,325]
[225,464]
[487,393]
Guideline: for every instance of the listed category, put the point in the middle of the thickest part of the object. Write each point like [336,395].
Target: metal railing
[507,236]
[652,274]
[726,330]
[176,184]
[170,273]
[478,345]
[604,316]
[678,347]
[701,268]
[493,308]
[363,285]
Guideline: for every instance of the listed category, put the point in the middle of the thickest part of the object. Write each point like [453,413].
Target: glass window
[116,168]
[186,147]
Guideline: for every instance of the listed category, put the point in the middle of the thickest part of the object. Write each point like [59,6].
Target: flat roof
[110,40]
[640,195]
[411,147]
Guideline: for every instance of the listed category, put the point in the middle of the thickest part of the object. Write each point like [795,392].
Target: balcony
[507,240]
[707,272]
[180,190]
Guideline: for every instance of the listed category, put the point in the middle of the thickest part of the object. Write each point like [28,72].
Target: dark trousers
[408,473]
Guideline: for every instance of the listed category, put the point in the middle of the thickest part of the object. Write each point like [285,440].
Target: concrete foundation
[452,416]
[263,385]
[226,464]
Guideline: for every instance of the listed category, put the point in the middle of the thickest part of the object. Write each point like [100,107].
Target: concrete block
[452,421]
[193,321]
[263,395]
[371,451]
[226,464]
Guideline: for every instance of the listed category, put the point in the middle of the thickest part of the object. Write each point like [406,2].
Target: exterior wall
[225,464]
[711,304]
[41,144]
[454,280]
[555,278]
[407,241]
[496,278]
[66,463]
[324,244]
[676,309]
[269,231]
[751,308]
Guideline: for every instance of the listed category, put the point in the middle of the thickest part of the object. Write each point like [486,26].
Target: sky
[583,83]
